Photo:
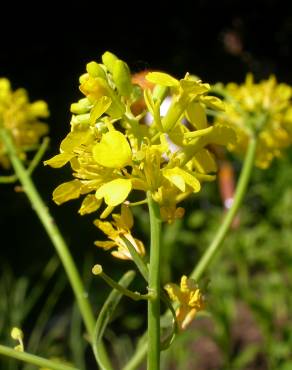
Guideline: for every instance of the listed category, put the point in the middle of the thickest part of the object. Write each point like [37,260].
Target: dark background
[45,49]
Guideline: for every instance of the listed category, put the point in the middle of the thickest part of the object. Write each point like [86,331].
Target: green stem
[53,232]
[97,270]
[8,179]
[39,155]
[238,197]
[34,360]
[153,362]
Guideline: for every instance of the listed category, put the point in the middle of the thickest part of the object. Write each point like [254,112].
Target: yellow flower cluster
[190,300]
[112,151]
[21,119]
[261,109]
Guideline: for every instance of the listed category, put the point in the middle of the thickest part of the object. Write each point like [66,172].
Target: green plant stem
[113,284]
[215,245]
[8,179]
[53,233]
[39,155]
[153,362]
[33,164]
[34,360]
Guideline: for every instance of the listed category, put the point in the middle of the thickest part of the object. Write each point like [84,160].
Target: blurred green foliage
[249,296]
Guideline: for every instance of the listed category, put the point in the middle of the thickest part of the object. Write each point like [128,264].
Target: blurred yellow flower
[262,109]
[190,300]
[21,118]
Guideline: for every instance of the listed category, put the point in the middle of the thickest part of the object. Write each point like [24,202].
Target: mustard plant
[121,158]
[112,152]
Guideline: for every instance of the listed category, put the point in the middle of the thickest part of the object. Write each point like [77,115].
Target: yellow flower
[262,109]
[190,300]
[115,230]
[112,152]
[21,118]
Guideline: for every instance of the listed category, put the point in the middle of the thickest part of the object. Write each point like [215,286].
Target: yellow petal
[39,109]
[176,179]
[194,87]
[106,245]
[127,216]
[59,160]
[204,161]
[222,135]
[113,151]
[74,139]
[185,316]
[179,176]
[67,191]
[173,291]
[100,108]
[106,227]
[196,115]
[114,192]
[90,204]
[162,79]
[213,102]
